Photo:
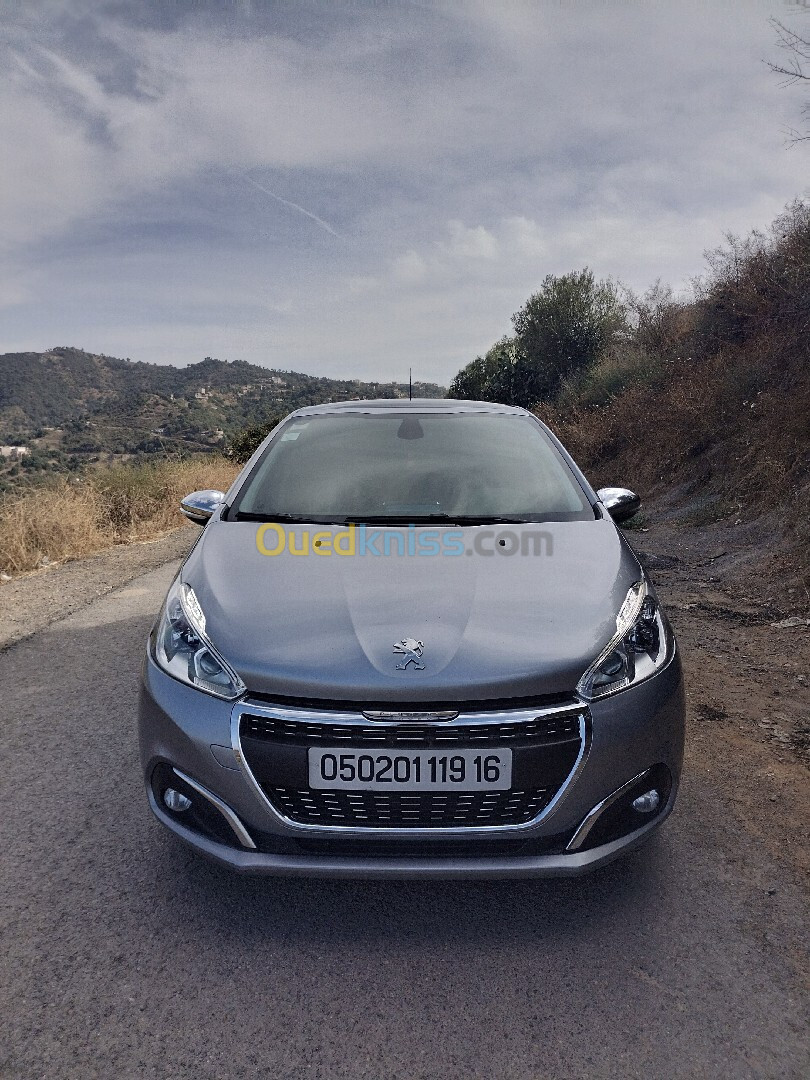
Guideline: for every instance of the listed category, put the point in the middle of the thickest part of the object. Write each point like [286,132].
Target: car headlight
[183,650]
[641,646]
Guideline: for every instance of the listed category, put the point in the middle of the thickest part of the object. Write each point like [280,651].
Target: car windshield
[451,468]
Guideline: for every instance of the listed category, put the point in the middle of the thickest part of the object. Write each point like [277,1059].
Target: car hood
[492,625]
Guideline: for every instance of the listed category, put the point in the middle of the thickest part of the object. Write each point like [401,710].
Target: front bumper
[628,734]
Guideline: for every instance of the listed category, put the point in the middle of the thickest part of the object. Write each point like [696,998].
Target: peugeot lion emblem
[411,650]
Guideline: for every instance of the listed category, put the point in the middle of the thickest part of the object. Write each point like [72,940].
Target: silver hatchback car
[410,641]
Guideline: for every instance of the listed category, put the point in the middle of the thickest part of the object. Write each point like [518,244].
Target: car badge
[443,717]
[412,650]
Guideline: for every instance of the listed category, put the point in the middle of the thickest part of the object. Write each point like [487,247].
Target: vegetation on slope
[709,393]
[143,429]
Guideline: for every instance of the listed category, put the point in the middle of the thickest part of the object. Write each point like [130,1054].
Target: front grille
[551,728]
[428,810]
[545,748]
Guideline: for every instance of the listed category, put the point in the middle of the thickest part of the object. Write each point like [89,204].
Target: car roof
[404,405]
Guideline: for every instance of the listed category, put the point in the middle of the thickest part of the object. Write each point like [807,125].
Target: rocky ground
[742,618]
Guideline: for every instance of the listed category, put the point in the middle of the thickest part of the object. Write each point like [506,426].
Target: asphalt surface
[125,955]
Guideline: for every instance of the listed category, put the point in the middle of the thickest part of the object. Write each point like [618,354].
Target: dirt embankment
[710,394]
[742,619]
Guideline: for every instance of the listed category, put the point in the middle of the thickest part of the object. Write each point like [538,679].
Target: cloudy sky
[350,188]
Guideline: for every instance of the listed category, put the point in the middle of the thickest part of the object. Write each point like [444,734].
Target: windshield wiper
[401,519]
[493,519]
[288,519]
[457,520]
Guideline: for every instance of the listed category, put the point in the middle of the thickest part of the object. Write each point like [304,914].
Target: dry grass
[724,412]
[705,428]
[119,505]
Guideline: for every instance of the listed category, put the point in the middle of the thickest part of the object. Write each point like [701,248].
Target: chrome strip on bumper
[591,818]
[241,833]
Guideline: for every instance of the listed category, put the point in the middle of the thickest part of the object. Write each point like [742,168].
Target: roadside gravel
[33,601]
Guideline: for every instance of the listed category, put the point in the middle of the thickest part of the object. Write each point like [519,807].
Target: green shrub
[243,445]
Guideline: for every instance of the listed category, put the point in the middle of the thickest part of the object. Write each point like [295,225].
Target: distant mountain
[69,401]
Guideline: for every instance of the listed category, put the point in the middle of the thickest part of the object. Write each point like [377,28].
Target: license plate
[336,768]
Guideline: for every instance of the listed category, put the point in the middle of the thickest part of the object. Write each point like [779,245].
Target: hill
[67,405]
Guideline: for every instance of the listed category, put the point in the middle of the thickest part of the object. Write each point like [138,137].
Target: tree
[563,329]
[492,377]
[242,446]
[796,68]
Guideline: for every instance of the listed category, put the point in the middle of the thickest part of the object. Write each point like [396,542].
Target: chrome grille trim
[350,716]
[551,728]
[500,717]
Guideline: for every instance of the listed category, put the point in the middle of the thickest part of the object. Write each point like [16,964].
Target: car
[411,642]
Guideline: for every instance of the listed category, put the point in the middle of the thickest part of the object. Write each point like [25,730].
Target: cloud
[470,243]
[461,252]
[460,153]
[49,180]
[410,268]
[524,236]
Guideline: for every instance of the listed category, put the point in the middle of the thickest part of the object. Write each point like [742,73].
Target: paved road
[124,955]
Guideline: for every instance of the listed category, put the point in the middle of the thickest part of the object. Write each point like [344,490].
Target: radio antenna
[410,384]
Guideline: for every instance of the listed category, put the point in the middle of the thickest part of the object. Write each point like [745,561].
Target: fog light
[176,800]
[648,802]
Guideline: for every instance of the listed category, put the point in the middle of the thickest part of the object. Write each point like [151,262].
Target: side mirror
[200,505]
[620,503]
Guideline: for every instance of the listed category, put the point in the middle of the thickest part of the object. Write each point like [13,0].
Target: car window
[371,467]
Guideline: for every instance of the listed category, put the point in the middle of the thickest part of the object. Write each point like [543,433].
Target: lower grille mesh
[424,810]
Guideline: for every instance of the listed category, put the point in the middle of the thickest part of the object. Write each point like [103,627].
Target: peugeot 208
[410,640]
